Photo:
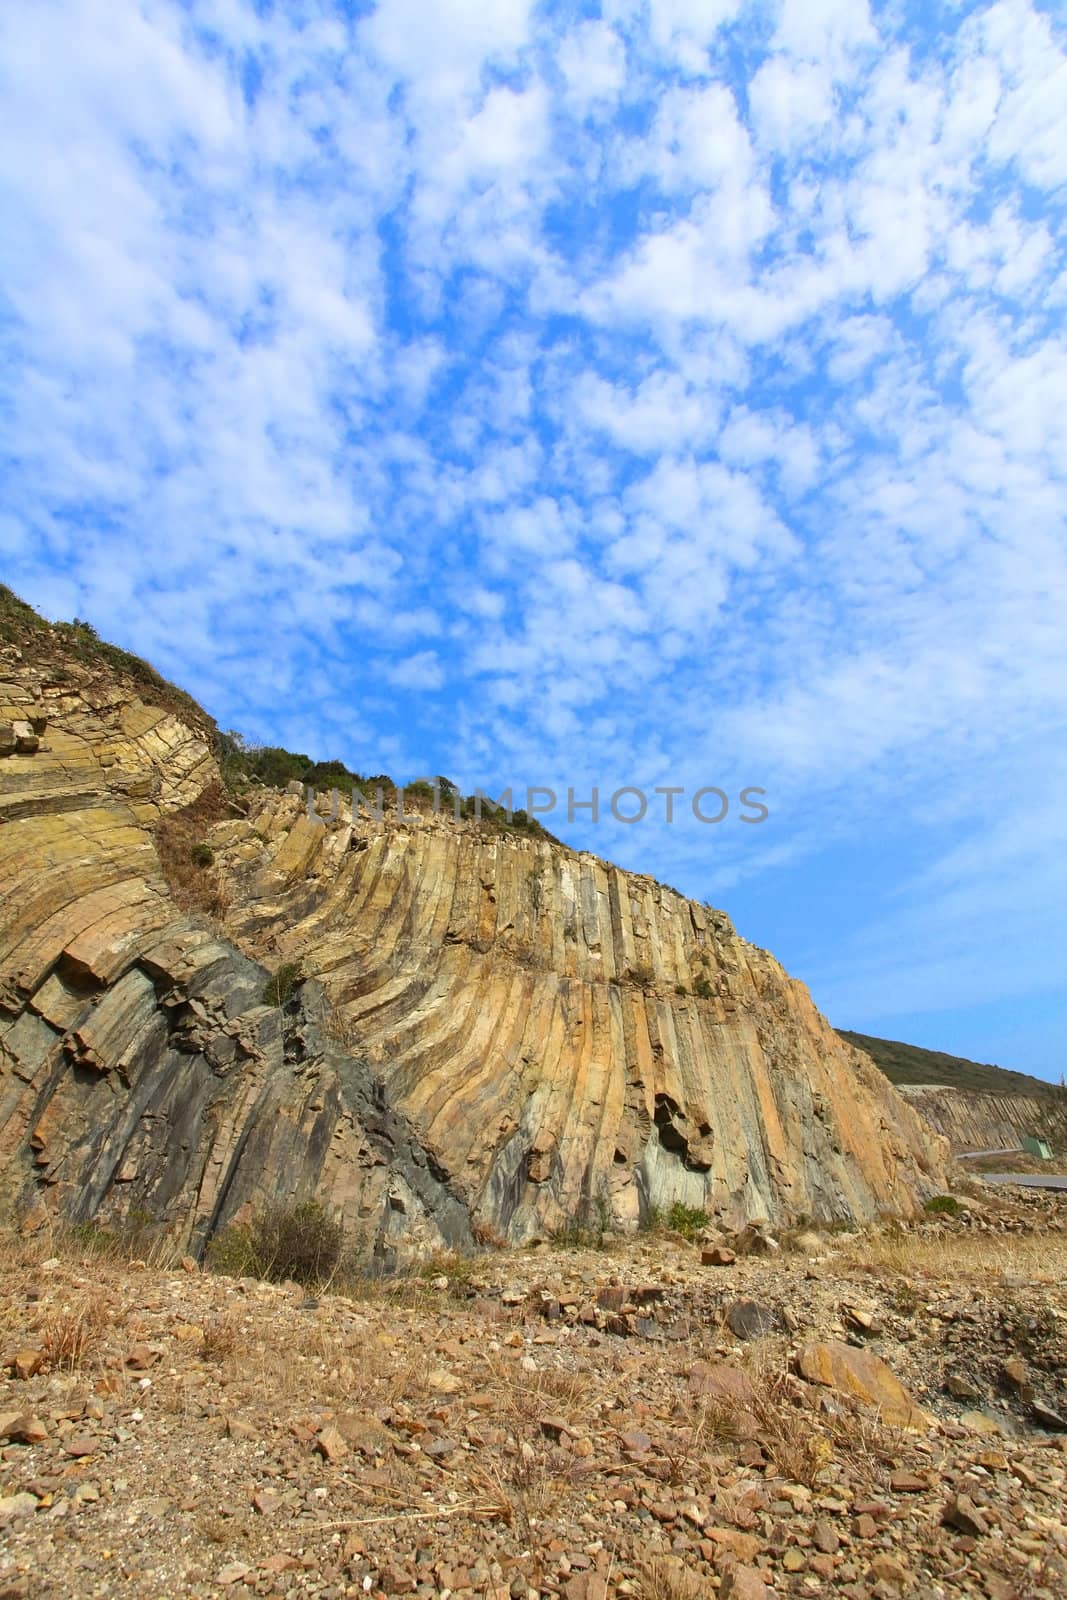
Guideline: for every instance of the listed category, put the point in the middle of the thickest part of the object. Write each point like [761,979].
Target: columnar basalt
[972,1119]
[496,1032]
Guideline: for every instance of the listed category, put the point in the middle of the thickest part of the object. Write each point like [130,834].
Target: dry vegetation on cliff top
[584,1423]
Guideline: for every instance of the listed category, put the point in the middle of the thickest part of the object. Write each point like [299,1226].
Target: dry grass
[340,1028]
[71,1334]
[964,1256]
[177,835]
[541,1471]
[668,1578]
[222,1337]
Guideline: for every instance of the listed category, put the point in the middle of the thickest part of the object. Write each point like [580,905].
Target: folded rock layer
[496,1034]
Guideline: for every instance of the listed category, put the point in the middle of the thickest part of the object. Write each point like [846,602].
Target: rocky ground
[854,1415]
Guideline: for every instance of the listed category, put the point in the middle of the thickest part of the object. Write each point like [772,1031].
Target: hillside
[910,1063]
[442,1029]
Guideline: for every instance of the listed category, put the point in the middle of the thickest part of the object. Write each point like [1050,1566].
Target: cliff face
[973,1120]
[495,1033]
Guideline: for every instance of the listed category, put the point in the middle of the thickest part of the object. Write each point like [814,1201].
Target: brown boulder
[743,1583]
[718,1256]
[861,1376]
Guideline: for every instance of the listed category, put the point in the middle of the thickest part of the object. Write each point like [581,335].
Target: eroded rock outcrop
[498,1033]
[973,1119]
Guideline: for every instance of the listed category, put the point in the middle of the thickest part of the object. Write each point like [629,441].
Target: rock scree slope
[493,1032]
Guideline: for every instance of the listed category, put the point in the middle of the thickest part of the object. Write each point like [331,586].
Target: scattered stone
[719,1255]
[907,1483]
[140,1357]
[1045,1417]
[743,1583]
[233,1572]
[22,1429]
[749,1319]
[740,1546]
[331,1445]
[962,1513]
[28,1363]
[754,1240]
[980,1422]
[824,1537]
[887,1569]
[443,1382]
[81,1445]
[14,1506]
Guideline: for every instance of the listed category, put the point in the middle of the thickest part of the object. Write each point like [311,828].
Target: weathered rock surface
[863,1376]
[971,1119]
[496,1035]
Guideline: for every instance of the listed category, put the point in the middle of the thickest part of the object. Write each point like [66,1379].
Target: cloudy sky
[651,392]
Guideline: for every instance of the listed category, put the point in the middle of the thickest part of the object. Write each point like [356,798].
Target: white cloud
[791,101]
[662,413]
[686,28]
[681,390]
[696,142]
[824,30]
[417,672]
[592,59]
[1029,123]
[442,50]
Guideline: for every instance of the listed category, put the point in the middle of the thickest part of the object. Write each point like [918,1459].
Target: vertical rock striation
[976,1119]
[496,1032]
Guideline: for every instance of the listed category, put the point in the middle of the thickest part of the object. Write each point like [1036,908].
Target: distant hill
[910,1063]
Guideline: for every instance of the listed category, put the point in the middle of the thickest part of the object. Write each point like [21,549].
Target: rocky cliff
[496,1033]
[971,1119]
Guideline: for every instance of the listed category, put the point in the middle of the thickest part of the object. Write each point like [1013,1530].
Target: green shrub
[302,1242]
[202,855]
[681,989]
[686,1220]
[278,989]
[703,988]
[943,1205]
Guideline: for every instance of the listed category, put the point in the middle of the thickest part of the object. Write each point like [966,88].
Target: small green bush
[301,1242]
[202,855]
[943,1205]
[278,989]
[686,1220]
[703,988]
[681,989]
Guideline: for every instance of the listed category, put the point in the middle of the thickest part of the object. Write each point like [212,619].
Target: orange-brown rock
[492,1034]
[862,1376]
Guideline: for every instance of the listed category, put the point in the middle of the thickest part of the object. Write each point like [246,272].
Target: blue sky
[659,392]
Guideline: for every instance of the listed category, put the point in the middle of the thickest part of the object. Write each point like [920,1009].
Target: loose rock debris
[546,1422]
